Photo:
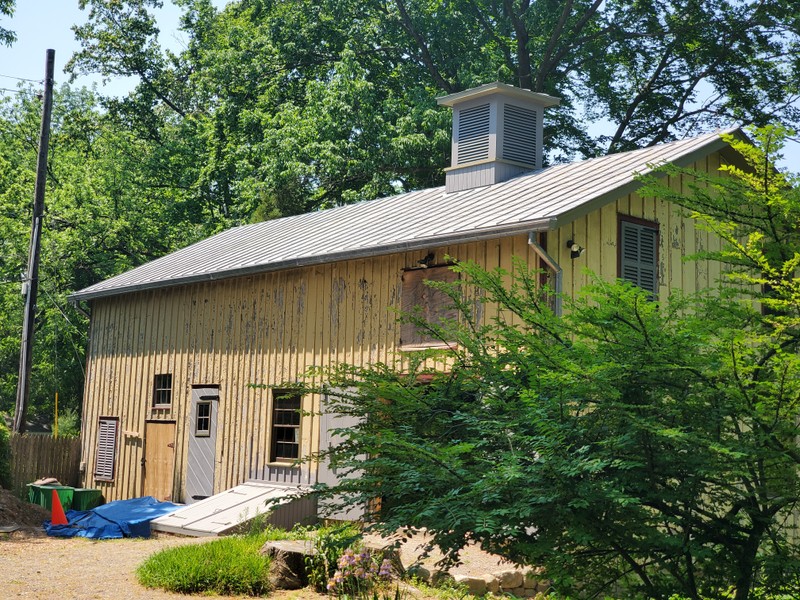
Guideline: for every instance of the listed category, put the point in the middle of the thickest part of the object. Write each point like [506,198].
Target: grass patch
[229,565]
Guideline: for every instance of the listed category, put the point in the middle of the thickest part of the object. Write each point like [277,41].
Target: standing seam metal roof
[536,201]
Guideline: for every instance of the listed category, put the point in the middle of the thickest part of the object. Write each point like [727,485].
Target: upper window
[162,391]
[638,253]
[106,448]
[430,304]
[285,426]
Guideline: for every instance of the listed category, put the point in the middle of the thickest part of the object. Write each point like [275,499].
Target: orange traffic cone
[58,517]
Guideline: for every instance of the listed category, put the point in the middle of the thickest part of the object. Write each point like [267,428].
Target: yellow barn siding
[270,328]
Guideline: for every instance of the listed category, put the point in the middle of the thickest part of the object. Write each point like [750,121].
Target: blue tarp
[123,518]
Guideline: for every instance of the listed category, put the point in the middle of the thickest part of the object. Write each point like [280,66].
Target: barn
[175,344]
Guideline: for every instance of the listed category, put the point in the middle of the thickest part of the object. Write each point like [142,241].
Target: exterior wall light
[574,249]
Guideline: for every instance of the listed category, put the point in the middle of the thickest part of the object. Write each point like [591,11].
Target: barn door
[325,473]
[202,443]
[159,459]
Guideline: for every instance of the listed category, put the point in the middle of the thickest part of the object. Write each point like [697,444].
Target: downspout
[550,261]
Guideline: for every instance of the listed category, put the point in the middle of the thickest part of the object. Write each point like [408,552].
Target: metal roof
[540,200]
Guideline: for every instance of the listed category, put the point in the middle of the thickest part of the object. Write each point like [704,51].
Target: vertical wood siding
[270,328]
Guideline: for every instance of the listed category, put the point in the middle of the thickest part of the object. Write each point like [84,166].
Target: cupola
[497,134]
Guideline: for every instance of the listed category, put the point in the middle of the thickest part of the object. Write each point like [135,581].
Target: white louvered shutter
[106,449]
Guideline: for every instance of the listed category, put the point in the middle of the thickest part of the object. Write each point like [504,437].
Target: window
[638,253]
[106,449]
[430,304]
[162,391]
[285,426]
[202,421]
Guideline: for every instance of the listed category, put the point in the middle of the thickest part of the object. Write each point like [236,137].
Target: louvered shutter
[106,449]
[639,252]
[473,134]
[432,305]
[519,134]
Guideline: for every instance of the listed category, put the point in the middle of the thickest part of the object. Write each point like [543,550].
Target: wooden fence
[34,456]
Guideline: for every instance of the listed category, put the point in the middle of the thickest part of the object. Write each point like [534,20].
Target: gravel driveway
[47,567]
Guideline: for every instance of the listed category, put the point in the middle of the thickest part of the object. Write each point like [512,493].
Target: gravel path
[41,567]
[59,568]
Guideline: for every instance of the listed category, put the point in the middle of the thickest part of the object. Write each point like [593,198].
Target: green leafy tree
[648,447]
[7,37]
[277,108]
[104,214]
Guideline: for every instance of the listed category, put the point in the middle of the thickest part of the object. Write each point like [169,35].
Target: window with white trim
[106,455]
[638,253]
[285,426]
[162,391]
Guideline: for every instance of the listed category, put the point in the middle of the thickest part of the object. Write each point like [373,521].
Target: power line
[13,91]
[21,78]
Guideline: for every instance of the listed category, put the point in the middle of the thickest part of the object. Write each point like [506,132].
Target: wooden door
[159,459]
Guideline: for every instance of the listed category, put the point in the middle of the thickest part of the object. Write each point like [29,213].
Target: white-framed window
[202,420]
[286,418]
[106,455]
[162,391]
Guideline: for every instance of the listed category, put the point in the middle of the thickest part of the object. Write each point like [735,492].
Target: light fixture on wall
[574,249]
[427,261]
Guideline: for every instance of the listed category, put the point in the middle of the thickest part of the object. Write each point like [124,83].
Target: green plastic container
[43,495]
[86,499]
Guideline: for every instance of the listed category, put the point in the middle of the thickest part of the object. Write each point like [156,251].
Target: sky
[43,24]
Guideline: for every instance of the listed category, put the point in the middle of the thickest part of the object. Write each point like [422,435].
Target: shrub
[358,573]
[230,565]
[329,544]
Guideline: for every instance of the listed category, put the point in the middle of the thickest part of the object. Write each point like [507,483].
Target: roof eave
[420,244]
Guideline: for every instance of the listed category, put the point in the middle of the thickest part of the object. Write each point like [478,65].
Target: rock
[509,579]
[287,570]
[492,585]
[388,552]
[475,585]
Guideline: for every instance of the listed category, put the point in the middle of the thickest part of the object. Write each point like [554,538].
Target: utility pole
[31,284]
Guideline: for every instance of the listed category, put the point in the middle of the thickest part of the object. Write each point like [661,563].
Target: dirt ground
[33,565]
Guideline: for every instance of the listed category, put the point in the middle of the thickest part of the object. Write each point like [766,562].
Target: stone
[287,569]
[509,579]
[386,552]
[518,592]
[475,585]
[492,585]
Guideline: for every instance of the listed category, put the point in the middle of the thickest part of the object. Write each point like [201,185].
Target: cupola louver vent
[519,134]
[473,134]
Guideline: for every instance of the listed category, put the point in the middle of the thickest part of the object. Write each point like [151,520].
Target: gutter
[551,262]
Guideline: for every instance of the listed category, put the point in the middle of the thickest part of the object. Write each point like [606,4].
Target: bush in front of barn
[226,566]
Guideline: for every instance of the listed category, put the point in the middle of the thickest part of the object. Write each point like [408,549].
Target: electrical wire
[22,78]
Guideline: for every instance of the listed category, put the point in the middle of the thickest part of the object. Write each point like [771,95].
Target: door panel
[202,443]
[159,459]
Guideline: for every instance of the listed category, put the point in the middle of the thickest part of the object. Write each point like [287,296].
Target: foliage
[5,455]
[358,573]
[7,8]
[69,423]
[103,215]
[329,542]
[630,445]
[277,108]
[229,565]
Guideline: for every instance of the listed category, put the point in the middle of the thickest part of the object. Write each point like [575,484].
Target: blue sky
[43,24]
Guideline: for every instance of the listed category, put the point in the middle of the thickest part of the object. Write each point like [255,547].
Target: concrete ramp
[219,514]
